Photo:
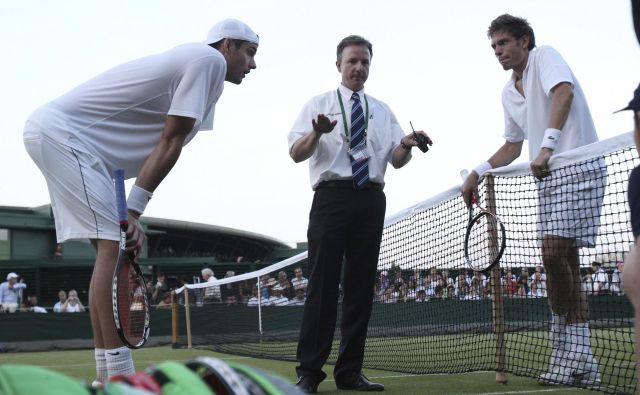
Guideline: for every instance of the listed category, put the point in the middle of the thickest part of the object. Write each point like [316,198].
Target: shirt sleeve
[302,124]
[198,89]
[512,132]
[553,70]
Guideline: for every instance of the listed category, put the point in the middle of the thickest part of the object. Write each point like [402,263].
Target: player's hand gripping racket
[485,239]
[129,290]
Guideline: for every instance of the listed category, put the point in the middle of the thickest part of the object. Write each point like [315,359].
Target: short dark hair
[353,40]
[516,26]
[236,42]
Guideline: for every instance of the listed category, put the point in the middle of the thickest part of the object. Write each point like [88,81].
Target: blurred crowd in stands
[395,286]
[283,289]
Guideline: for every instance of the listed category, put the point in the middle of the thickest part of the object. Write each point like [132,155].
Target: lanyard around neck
[347,130]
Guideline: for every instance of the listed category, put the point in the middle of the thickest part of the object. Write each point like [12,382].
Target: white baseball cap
[11,275]
[231,28]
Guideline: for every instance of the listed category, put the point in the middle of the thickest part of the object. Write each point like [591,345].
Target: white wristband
[551,138]
[483,168]
[138,199]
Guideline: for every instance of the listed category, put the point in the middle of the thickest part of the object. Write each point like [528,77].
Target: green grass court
[80,364]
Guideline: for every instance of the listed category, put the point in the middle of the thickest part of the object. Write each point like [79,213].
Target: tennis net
[434,315]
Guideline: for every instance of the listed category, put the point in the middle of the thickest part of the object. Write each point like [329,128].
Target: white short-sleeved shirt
[330,161]
[528,117]
[119,115]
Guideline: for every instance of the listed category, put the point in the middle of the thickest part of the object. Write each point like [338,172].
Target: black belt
[348,184]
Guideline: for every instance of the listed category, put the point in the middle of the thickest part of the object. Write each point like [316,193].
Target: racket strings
[132,305]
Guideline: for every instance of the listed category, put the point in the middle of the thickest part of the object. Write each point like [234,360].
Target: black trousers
[343,223]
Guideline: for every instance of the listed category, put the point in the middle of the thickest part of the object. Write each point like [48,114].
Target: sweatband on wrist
[483,168]
[551,138]
[138,199]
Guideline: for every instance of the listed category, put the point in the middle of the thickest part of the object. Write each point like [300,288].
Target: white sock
[119,361]
[557,331]
[580,337]
[101,365]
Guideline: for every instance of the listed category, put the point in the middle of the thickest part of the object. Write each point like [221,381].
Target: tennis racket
[128,288]
[485,237]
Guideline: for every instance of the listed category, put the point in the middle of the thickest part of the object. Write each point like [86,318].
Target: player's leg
[99,350]
[118,357]
[83,204]
[560,287]
[578,338]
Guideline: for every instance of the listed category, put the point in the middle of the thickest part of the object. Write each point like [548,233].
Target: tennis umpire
[348,137]
[136,116]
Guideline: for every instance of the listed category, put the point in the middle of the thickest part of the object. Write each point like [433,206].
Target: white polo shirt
[331,161]
[528,117]
[119,115]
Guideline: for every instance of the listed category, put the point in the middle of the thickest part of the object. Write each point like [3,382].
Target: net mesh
[432,314]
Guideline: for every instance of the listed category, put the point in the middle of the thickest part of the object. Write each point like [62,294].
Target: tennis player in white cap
[137,117]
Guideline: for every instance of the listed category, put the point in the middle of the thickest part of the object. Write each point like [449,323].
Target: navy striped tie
[360,169]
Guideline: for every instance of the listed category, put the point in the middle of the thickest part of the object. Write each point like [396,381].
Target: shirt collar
[346,92]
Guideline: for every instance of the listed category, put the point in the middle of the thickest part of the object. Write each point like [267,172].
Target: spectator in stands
[277,298]
[383,283]
[160,289]
[462,286]
[10,293]
[285,284]
[398,281]
[509,283]
[421,296]
[73,303]
[615,288]
[540,285]
[554,118]
[446,278]
[299,299]
[523,281]
[298,281]
[231,300]
[475,290]
[245,290]
[211,293]
[523,286]
[587,282]
[230,289]
[32,305]
[253,300]
[600,279]
[463,276]
[62,297]
[165,302]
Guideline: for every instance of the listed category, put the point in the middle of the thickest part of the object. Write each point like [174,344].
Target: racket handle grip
[121,201]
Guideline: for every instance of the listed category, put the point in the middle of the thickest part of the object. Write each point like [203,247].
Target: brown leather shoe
[361,383]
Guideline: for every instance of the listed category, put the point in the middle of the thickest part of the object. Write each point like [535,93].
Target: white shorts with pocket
[80,187]
[570,202]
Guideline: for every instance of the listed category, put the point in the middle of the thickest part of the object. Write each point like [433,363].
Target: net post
[174,319]
[187,316]
[496,292]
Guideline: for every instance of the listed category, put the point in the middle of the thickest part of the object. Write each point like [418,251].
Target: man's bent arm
[305,146]
[560,105]
[166,153]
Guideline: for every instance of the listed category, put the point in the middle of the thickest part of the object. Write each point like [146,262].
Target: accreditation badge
[360,153]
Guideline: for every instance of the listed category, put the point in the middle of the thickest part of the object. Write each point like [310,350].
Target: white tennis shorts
[80,187]
[570,202]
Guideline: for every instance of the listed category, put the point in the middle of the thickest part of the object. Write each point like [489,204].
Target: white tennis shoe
[560,370]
